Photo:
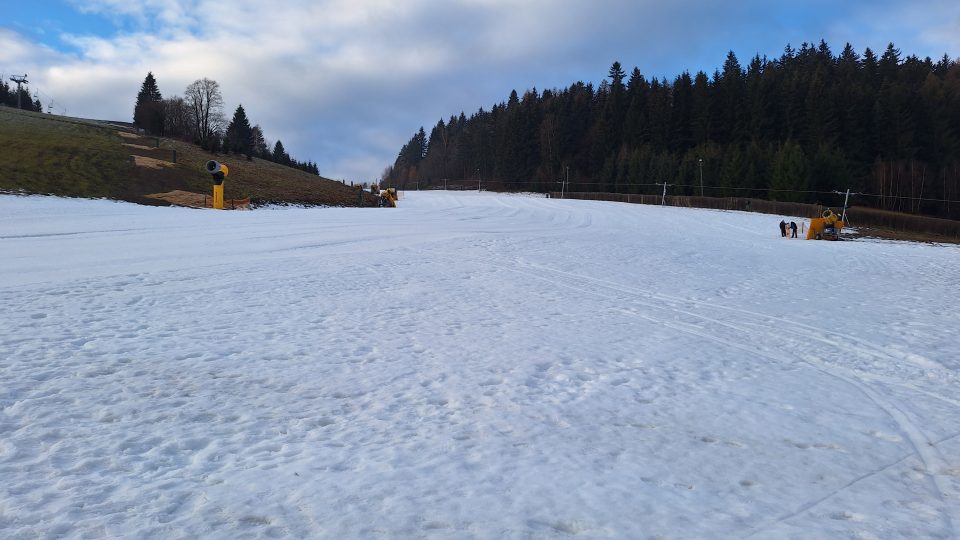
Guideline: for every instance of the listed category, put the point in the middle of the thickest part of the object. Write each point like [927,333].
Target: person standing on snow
[783,229]
[793,229]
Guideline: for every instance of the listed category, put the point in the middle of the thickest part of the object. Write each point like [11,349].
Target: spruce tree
[239,135]
[280,154]
[615,108]
[148,112]
[702,113]
[260,148]
[635,120]
[789,173]
[730,97]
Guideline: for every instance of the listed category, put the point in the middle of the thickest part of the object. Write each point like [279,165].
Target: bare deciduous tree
[206,104]
[178,118]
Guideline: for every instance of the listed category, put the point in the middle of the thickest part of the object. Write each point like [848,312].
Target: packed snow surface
[470,366]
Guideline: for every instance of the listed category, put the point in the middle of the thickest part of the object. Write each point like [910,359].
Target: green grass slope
[40,153]
[73,157]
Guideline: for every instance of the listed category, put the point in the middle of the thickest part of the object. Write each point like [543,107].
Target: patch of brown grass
[198,200]
[151,163]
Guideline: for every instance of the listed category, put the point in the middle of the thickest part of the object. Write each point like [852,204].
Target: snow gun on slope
[388,197]
[218,171]
[826,227]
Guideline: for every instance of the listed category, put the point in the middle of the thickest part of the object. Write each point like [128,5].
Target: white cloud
[346,82]
[142,12]
[19,53]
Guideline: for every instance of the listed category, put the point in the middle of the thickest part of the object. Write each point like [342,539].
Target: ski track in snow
[470,366]
[923,447]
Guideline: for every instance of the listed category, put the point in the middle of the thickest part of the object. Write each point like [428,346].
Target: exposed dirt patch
[887,234]
[138,146]
[152,163]
[198,200]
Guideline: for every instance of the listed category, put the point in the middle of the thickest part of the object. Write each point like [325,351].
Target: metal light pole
[663,198]
[701,175]
[566,181]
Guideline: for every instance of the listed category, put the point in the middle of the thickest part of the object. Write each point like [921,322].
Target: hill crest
[89,158]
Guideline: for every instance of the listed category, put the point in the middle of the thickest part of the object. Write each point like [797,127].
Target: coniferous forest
[795,128]
[8,97]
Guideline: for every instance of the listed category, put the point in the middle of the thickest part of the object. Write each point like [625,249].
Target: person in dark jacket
[783,228]
[793,229]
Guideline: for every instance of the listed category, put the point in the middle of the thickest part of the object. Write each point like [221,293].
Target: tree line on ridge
[794,128]
[198,117]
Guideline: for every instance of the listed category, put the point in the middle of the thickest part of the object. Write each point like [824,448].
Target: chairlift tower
[19,80]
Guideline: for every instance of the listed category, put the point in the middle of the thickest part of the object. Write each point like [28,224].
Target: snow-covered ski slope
[470,366]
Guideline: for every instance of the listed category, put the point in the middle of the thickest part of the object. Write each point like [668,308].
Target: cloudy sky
[345,83]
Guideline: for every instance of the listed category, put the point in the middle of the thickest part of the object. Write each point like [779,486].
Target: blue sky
[44,21]
[345,83]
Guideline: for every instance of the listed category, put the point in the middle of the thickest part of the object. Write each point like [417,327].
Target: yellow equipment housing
[826,227]
[214,167]
[218,171]
[218,196]
[388,197]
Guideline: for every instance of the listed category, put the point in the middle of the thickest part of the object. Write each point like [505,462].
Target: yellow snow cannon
[825,227]
[218,171]
[388,197]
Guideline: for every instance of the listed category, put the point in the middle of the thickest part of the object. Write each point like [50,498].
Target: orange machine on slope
[826,227]
[388,197]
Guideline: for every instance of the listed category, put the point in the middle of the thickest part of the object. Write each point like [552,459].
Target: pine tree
[828,169]
[889,62]
[26,101]
[730,96]
[239,135]
[279,154]
[759,97]
[615,108]
[702,114]
[635,122]
[821,124]
[789,173]
[148,112]
[659,114]
[260,147]
[681,133]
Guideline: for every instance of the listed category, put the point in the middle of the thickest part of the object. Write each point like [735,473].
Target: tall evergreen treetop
[239,136]
[616,74]
[280,154]
[148,112]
